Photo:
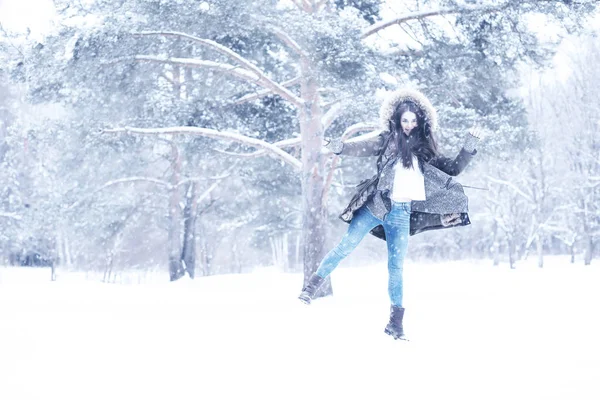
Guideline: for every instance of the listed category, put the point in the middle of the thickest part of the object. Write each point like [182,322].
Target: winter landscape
[475,332]
[170,184]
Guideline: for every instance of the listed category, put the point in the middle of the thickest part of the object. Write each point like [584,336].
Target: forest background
[185,136]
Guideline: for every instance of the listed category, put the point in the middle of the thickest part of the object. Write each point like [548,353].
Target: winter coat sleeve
[366,148]
[455,166]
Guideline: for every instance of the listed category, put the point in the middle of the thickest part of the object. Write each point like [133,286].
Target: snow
[477,332]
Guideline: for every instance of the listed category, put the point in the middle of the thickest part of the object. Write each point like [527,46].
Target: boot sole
[395,336]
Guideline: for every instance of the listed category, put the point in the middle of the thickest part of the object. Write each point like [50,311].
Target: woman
[412,192]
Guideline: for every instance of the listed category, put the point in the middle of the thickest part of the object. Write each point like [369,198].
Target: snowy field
[477,332]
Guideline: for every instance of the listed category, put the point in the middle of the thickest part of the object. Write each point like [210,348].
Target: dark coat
[443,194]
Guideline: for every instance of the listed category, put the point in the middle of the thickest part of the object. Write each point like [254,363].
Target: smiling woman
[19,15]
[409,194]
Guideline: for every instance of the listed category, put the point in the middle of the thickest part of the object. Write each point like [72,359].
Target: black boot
[309,291]
[394,327]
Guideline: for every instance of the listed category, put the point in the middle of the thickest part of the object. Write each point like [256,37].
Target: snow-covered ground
[477,332]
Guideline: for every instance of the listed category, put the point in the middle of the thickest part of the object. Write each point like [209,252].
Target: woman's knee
[345,248]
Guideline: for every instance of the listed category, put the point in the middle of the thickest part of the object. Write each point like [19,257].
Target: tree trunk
[496,246]
[276,252]
[297,252]
[236,256]
[188,254]
[572,251]
[589,249]
[176,270]
[280,251]
[61,252]
[511,253]
[202,257]
[313,215]
[540,251]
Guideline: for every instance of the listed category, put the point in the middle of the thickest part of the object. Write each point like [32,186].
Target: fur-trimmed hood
[398,96]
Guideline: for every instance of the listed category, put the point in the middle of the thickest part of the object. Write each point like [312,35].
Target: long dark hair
[420,142]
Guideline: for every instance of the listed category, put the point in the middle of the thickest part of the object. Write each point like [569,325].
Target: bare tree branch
[464,9]
[263,79]
[211,133]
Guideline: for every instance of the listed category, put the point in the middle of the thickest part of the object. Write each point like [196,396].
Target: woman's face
[408,121]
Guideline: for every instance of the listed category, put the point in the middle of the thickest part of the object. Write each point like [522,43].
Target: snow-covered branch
[307,5]
[266,92]
[207,191]
[263,79]
[116,182]
[319,4]
[160,182]
[463,9]
[11,216]
[288,142]
[217,180]
[294,142]
[331,115]
[360,127]
[211,133]
[297,3]
[210,178]
[193,63]
[514,187]
[285,38]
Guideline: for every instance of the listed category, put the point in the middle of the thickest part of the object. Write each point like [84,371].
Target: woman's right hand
[333,146]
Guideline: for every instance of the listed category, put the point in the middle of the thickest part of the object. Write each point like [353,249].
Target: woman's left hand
[477,131]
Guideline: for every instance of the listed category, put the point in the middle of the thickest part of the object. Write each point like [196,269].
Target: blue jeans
[396,225]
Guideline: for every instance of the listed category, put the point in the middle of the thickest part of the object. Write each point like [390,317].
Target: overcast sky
[17,15]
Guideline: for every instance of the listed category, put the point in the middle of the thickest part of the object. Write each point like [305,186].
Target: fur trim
[396,97]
